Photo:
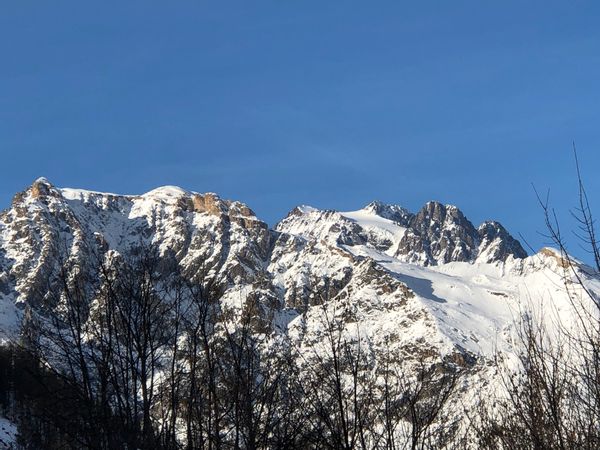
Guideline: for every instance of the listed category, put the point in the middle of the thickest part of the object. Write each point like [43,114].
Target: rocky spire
[496,244]
[439,234]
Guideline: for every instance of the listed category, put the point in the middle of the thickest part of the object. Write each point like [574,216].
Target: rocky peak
[208,203]
[435,214]
[47,224]
[300,210]
[395,213]
[322,225]
[436,234]
[496,244]
[39,189]
[439,234]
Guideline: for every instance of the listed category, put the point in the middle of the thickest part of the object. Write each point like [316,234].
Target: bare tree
[552,398]
[361,399]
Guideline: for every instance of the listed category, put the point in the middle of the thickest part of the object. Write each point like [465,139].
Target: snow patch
[8,434]
[166,193]
[305,209]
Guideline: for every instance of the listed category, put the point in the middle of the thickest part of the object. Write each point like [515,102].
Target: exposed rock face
[208,203]
[326,226]
[47,226]
[437,234]
[41,187]
[440,234]
[496,244]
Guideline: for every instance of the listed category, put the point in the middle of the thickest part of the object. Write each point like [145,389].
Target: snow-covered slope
[470,302]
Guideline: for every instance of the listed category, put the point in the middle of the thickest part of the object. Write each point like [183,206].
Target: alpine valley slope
[425,286]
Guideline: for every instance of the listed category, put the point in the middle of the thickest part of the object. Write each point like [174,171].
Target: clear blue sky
[326,103]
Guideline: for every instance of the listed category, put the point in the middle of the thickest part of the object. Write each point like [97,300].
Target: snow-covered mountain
[424,285]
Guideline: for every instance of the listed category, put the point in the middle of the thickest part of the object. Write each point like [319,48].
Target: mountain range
[424,286]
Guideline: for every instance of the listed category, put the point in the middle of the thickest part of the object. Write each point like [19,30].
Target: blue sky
[331,104]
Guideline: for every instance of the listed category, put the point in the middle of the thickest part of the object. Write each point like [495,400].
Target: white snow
[42,180]
[83,194]
[373,223]
[474,305]
[8,434]
[477,305]
[306,209]
[166,193]
[370,220]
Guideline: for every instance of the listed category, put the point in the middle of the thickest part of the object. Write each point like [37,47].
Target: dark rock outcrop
[496,244]
[439,234]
